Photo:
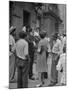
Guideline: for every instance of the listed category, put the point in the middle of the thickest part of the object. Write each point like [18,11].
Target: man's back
[22,48]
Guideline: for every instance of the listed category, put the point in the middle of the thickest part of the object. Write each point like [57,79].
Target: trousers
[23,70]
[11,67]
[31,67]
[54,72]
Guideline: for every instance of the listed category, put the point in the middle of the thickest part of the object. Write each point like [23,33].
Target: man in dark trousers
[30,40]
[22,61]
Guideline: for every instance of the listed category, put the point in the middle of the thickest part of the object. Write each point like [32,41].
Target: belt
[22,59]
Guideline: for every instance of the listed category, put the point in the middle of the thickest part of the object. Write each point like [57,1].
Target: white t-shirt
[22,48]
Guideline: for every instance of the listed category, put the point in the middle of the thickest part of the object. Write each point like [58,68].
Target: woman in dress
[41,57]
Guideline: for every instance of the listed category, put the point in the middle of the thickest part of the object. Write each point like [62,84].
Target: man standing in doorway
[30,40]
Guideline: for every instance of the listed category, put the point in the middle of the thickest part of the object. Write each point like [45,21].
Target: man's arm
[58,67]
[60,48]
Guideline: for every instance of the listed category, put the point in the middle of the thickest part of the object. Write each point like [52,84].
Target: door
[26,18]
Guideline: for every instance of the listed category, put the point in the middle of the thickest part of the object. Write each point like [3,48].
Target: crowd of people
[35,55]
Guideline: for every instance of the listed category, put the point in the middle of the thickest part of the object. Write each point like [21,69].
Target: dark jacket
[31,48]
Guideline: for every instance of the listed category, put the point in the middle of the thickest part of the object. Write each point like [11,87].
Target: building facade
[62,14]
[21,14]
[50,19]
[45,16]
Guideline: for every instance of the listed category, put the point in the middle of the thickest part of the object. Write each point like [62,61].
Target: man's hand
[27,57]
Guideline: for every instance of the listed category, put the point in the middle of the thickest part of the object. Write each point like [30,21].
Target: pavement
[31,84]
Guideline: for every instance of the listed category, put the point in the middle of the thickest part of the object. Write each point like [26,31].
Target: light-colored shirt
[57,47]
[48,45]
[64,41]
[62,64]
[12,44]
[36,33]
[22,48]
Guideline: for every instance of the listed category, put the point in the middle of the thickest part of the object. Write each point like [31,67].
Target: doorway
[26,18]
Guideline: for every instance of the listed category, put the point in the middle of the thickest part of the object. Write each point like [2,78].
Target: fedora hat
[12,29]
[64,34]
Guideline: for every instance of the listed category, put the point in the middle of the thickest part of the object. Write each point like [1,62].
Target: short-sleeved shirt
[12,44]
[57,47]
[22,48]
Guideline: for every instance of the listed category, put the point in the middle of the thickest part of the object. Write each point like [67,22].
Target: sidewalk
[31,84]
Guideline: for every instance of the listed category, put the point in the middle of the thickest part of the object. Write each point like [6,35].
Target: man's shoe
[39,85]
[52,84]
[32,78]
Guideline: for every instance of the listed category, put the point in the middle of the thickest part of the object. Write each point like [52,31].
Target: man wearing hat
[56,51]
[24,28]
[11,53]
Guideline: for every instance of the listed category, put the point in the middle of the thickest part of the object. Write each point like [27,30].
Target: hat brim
[13,30]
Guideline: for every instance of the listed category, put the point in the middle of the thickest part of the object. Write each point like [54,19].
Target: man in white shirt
[22,61]
[11,54]
[11,40]
[56,51]
[61,66]
[22,49]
